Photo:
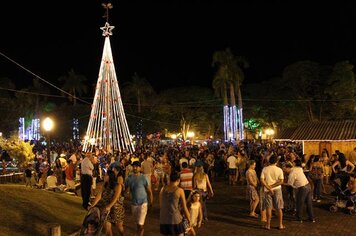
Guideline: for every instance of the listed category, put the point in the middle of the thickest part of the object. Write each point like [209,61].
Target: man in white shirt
[231,162]
[272,179]
[300,183]
[86,179]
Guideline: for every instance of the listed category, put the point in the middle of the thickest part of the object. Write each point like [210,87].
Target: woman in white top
[202,184]
[195,210]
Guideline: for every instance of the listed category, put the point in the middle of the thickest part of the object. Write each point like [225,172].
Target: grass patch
[26,211]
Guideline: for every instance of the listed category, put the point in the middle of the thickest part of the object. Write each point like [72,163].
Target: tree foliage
[18,149]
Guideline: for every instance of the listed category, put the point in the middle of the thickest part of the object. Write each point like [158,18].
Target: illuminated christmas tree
[107,126]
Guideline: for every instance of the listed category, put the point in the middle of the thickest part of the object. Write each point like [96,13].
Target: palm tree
[220,83]
[140,88]
[74,84]
[231,74]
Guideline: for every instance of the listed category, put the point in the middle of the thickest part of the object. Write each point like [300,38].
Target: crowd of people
[278,178]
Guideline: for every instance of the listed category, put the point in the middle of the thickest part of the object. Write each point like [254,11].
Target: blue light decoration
[233,123]
[32,132]
[226,123]
[35,127]
[241,124]
[22,134]
[75,129]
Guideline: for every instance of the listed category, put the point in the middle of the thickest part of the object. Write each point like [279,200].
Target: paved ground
[228,215]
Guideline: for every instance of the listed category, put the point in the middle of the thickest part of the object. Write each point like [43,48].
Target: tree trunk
[232,95]
[54,230]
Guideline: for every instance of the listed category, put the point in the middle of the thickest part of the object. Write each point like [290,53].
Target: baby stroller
[93,222]
[344,200]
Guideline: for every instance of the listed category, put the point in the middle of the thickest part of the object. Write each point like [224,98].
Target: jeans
[304,196]
[317,188]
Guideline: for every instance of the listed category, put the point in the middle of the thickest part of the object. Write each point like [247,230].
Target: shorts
[274,200]
[252,193]
[139,213]
[232,171]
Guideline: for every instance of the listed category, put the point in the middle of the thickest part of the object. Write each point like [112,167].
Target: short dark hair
[273,159]
[298,162]
[174,176]
[184,164]
[136,163]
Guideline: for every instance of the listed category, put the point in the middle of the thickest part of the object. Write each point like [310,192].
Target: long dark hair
[342,160]
[112,179]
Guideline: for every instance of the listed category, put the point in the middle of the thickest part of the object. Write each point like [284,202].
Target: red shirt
[69,172]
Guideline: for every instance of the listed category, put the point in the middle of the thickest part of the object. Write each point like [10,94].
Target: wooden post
[54,229]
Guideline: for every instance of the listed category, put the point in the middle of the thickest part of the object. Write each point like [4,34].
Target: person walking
[272,179]
[298,180]
[147,168]
[140,191]
[172,201]
[86,179]
[202,184]
[186,179]
[110,199]
[196,212]
[232,164]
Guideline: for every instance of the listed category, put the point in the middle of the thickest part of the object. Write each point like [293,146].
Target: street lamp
[269,133]
[48,126]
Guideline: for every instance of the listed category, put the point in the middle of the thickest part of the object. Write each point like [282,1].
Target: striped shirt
[186,179]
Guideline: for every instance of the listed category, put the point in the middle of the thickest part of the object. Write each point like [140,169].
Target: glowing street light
[48,125]
[173,136]
[190,134]
[269,132]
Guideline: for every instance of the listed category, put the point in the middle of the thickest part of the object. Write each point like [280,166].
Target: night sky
[171,43]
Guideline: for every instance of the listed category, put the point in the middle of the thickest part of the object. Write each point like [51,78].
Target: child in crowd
[196,212]
[28,175]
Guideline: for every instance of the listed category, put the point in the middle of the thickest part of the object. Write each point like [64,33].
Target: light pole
[48,126]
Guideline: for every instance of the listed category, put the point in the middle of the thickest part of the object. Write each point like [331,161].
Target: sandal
[282,227]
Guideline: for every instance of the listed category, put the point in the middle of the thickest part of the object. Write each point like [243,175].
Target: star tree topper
[107,29]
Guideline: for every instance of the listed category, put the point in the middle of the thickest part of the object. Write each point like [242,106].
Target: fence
[12,178]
